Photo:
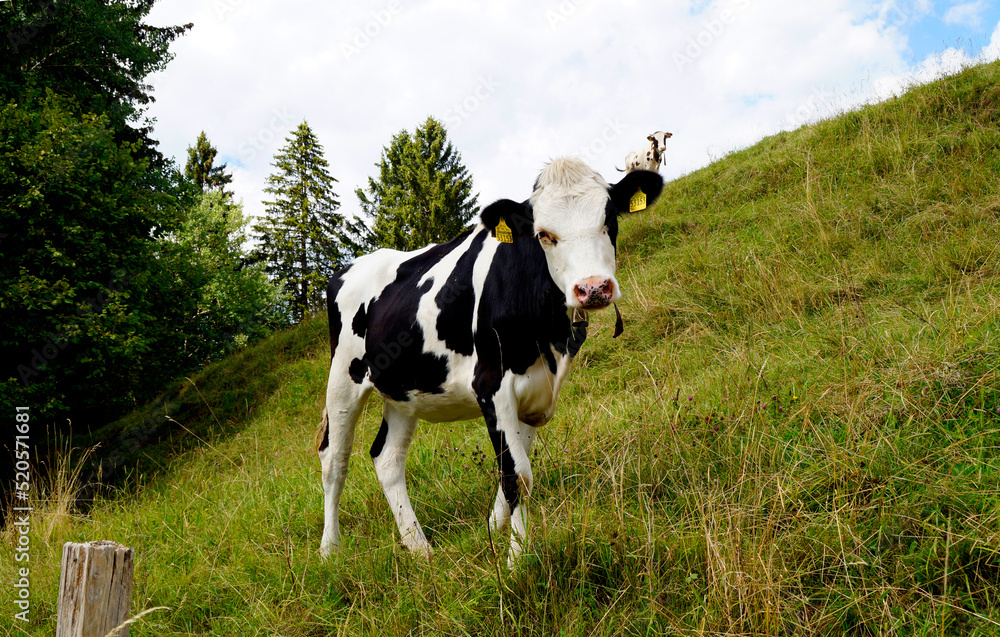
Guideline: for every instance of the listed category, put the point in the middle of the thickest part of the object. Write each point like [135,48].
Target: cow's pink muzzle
[594,293]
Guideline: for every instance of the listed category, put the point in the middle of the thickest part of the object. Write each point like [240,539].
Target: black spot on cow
[394,345]
[457,300]
[505,461]
[523,313]
[358,370]
[360,324]
[333,314]
[550,360]
[379,441]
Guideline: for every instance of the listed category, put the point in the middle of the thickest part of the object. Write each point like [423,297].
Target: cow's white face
[660,138]
[575,219]
[570,209]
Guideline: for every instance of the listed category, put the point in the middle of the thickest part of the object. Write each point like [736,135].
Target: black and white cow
[649,156]
[484,325]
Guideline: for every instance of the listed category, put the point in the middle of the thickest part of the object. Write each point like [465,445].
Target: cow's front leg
[511,441]
[501,515]
[517,513]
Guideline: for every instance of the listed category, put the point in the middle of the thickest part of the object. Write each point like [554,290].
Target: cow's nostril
[594,292]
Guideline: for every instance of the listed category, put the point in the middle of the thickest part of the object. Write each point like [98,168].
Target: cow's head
[659,139]
[573,214]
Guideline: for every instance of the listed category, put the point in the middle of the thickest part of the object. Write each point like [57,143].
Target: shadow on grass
[210,405]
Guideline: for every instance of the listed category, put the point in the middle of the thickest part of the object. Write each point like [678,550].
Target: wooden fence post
[94,589]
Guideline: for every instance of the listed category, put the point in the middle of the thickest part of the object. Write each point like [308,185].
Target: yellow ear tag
[637,202]
[503,233]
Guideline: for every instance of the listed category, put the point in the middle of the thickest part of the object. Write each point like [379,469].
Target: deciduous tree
[99,52]
[236,302]
[82,228]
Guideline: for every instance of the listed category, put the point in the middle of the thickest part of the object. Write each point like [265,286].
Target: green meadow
[798,432]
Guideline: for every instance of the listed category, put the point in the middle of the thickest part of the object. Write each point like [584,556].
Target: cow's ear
[636,191]
[516,216]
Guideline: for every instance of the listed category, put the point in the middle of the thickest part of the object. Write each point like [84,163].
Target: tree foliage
[116,274]
[423,194]
[201,168]
[85,202]
[235,303]
[82,224]
[97,51]
[299,235]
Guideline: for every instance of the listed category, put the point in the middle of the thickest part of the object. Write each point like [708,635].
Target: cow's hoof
[513,559]
[326,549]
[423,550]
[499,523]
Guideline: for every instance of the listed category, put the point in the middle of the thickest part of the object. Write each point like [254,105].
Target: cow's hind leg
[344,402]
[389,456]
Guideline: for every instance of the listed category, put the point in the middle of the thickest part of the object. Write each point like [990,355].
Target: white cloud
[901,14]
[968,14]
[935,66]
[594,83]
[991,51]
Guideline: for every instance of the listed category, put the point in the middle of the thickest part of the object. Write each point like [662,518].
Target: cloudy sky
[518,83]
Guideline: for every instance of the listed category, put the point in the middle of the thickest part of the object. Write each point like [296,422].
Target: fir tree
[423,194]
[298,236]
[201,170]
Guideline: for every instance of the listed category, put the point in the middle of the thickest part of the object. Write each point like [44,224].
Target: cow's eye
[547,238]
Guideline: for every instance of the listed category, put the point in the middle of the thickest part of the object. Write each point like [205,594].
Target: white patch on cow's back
[480,270]
[370,275]
[457,401]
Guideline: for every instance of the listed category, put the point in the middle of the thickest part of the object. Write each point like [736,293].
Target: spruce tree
[298,236]
[201,170]
[423,194]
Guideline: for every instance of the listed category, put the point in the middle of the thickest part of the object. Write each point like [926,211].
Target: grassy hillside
[798,433]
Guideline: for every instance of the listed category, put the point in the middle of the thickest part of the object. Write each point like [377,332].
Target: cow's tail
[321,433]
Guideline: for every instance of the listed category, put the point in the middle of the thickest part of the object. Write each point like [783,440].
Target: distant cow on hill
[484,325]
[648,157]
